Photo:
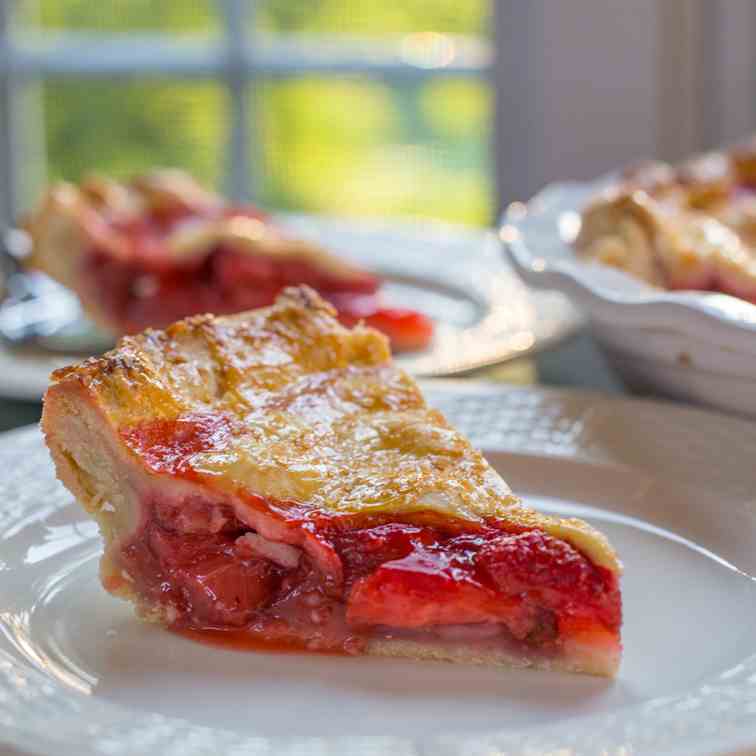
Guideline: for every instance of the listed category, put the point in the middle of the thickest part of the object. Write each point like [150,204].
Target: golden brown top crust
[688,226]
[317,413]
[71,217]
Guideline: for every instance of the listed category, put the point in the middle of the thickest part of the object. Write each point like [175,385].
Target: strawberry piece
[407,330]
[229,268]
[537,564]
[518,562]
[430,588]
[586,633]
[363,551]
[223,591]
[418,590]
[173,548]
[205,575]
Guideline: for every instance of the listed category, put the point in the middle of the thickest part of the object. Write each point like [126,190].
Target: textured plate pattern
[484,314]
[40,714]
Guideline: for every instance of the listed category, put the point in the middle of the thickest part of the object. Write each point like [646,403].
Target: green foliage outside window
[347,145]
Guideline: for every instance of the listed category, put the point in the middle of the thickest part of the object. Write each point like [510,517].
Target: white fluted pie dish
[695,346]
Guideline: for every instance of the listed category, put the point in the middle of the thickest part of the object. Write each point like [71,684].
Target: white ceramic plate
[673,489]
[483,313]
[689,345]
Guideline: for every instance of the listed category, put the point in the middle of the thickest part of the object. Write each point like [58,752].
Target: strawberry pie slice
[161,248]
[273,476]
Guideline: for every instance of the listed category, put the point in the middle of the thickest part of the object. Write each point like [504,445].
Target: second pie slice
[274,475]
[149,251]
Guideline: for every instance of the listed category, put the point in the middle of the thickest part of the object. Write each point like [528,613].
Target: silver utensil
[35,310]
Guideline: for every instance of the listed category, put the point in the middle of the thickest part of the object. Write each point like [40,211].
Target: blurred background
[429,108]
[333,106]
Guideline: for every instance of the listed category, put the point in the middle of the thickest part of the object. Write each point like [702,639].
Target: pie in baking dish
[160,248]
[273,474]
[691,227]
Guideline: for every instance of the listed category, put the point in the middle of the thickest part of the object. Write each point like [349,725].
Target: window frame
[677,77]
[236,59]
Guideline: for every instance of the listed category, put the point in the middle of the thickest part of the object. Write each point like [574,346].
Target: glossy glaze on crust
[312,412]
[691,227]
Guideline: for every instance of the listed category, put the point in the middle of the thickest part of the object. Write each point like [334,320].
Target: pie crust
[691,227]
[160,247]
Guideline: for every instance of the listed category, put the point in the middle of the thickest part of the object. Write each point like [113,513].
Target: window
[334,106]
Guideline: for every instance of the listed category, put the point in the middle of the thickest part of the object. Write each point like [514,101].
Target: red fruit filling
[284,573]
[146,288]
[167,446]
[421,576]
[407,330]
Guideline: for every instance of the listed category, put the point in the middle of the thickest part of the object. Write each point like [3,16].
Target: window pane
[361,147]
[177,16]
[374,18]
[121,128]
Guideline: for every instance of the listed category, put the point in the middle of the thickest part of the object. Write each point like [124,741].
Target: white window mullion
[239,180]
[730,62]
[707,71]
[518,78]
[239,60]
[681,118]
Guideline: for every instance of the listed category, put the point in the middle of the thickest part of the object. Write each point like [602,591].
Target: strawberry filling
[406,329]
[211,572]
[145,288]
[286,573]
